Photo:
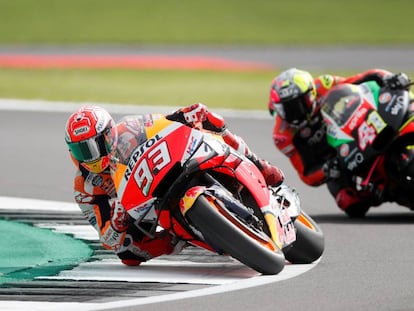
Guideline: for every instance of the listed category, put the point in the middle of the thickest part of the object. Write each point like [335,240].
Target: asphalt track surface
[367,264]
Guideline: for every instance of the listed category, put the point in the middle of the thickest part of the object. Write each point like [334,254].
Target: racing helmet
[91,136]
[293,96]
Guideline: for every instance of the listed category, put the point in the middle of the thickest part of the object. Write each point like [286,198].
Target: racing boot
[272,174]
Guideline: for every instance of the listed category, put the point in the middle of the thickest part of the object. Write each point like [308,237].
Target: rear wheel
[236,237]
[309,244]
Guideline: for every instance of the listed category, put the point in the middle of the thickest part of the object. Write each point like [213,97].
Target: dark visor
[293,111]
[90,150]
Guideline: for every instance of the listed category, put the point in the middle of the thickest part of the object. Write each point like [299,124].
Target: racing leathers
[97,198]
[311,156]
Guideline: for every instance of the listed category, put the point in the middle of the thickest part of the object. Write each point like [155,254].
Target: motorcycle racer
[300,133]
[96,144]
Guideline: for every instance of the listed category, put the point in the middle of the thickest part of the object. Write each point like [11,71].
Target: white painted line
[289,272]
[21,204]
[84,232]
[69,107]
[223,277]
[159,270]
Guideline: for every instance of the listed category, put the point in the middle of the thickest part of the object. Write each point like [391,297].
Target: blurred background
[135,51]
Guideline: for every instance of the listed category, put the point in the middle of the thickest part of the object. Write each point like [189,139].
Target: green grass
[152,87]
[237,90]
[192,22]
[206,22]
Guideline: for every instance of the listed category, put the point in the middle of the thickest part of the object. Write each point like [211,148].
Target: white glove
[195,113]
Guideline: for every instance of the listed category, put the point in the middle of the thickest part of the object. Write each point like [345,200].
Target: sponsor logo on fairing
[142,209]
[358,114]
[384,98]
[191,145]
[139,152]
[317,137]
[395,104]
[358,159]
[344,150]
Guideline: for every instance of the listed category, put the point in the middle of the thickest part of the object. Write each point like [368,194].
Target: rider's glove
[198,116]
[331,169]
[119,217]
[399,81]
[196,113]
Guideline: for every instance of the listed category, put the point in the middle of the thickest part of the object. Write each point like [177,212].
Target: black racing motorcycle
[372,130]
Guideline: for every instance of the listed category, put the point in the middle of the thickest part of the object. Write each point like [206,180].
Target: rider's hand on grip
[397,81]
[195,114]
[331,169]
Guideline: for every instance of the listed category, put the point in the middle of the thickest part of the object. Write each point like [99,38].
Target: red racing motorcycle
[205,193]
[372,130]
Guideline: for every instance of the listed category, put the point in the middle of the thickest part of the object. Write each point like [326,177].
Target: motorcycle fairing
[370,120]
[174,143]
[149,163]
[344,110]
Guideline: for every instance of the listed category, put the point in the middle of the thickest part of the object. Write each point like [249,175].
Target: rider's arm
[283,139]
[198,116]
[98,208]
[377,75]
[325,82]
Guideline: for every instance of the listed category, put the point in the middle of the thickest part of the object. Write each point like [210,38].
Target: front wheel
[309,244]
[236,237]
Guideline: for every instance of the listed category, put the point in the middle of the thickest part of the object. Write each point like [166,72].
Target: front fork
[285,207]
[278,216]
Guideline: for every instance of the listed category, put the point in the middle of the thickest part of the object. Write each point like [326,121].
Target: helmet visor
[91,149]
[293,111]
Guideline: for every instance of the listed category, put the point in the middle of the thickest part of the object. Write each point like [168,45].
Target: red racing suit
[307,147]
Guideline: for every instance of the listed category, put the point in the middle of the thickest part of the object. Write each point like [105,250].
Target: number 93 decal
[150,165]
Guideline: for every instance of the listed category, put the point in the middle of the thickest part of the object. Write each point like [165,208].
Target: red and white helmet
[91,136]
